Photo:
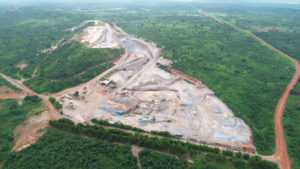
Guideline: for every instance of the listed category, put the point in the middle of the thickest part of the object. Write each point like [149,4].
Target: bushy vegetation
[55,103]
[168,145]
[56,150]
[117,125]
[71,65]
[153,160]
[279,25]
[162,133]
[227,152]
[288,42]
[127,127]
[163,67]
[73,59]
[11,115]
[27,31]
[291,123]
[116,135]
[246,75]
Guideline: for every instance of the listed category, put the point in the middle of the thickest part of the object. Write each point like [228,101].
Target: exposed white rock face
[165,101]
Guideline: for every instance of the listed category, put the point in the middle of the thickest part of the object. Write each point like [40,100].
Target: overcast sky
[84,1]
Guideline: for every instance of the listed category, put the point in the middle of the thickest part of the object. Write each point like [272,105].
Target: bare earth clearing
[151,98]
[8,93]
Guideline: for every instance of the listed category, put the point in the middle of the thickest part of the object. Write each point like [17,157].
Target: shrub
[246,156]
[239,163]
[227,152]
[238,154]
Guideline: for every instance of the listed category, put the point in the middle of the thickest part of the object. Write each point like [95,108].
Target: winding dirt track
[281,149]
[28,91]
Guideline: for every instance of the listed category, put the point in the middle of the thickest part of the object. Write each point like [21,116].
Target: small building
[69,96]
[105,83]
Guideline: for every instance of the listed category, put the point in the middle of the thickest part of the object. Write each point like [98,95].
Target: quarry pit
[138,92]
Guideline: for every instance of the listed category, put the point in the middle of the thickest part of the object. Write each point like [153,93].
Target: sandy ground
[8,93]
[27,133]
[152,98]
[6,90]
[98,36]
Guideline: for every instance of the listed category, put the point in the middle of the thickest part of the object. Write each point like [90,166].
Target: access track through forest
[280,153]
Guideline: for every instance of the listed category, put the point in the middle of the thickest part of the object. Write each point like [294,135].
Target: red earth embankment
[184,76]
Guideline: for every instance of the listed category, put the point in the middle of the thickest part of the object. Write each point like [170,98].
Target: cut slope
[188,110]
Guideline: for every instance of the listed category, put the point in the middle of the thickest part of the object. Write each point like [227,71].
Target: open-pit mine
[137,92]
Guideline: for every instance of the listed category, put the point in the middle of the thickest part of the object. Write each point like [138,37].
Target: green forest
[277,24]
[246,75]
[71,65]
[66,145]
[283,20]
[153,160]
[291,123]
[11,115]
[58,150]
[25,32]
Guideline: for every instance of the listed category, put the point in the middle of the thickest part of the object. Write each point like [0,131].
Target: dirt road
[12,96]
[1,164]
[28,131]
[281,149]
[212,17]
[135,151]
[28,91]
